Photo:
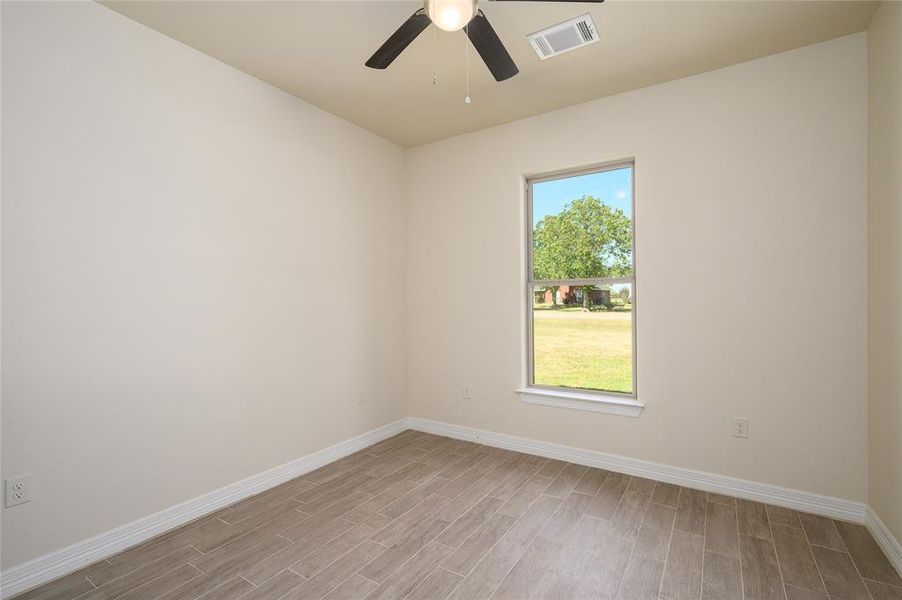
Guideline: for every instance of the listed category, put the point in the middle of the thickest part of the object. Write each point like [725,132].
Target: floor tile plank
[464,501]
[797,593]
[162,584]
[142,575]
[481,470]
[787,517]
[354,587]
[721,579]
[232,589]
[628,517]
[485,577]
[592,479]
[400,552]
[335,574]
[839,574]
[253,505]
[411,498]
[438,586]
[666,494]
[457,533]
[721,530]
[274,588]
[691,511]
[154,549]
[339,546]
[603,565]
[525,496]
[642,580]
[539,562]
[795,559]
[564,483]
[760,572]
[264,533]
[753,519]
[561,564]
[866,554]
[504,468]
[224,571]
[384,498]
[212,541]
[881,591]
[513,482]
[295,552]
[414,572]
[475,547]
[683,569]
[69,586]
[654,534]
[609,495]
[409,521]
[821,531]
[552,468]
[721,499]
[641,485]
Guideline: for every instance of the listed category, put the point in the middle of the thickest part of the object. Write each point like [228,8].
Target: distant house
[567,294]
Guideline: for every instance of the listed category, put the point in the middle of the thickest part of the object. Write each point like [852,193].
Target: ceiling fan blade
[490,48]
[399,40]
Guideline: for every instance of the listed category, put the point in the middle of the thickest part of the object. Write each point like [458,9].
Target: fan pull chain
[467,51]
[434,77]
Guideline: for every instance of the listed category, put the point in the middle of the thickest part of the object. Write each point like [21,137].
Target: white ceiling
[316,51]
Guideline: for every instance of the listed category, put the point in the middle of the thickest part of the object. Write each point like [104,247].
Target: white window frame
[576,398]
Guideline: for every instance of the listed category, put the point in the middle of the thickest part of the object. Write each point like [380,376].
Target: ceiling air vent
[564,37]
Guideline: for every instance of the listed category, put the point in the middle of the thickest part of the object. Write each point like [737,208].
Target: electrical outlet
[465,393]
[361,398]
[18,490]
[740,428]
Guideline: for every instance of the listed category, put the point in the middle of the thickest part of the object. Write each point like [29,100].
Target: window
[581,286]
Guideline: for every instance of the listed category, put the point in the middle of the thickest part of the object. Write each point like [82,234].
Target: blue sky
[614,188]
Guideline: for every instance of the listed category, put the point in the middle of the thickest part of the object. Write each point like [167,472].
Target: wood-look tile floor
[429,518]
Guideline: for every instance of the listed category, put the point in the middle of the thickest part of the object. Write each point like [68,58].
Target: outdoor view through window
[581,287]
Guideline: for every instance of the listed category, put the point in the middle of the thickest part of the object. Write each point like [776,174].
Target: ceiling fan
[453,15]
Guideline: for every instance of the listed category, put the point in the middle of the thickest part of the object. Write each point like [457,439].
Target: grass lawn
[591,350]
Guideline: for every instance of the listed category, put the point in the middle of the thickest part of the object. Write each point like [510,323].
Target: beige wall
[750,185]
[885,262]
[199,274]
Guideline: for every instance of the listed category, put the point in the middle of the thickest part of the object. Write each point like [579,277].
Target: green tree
[588,239]
[546,256]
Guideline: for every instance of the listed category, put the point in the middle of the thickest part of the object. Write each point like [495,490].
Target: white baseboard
[71,558]
[761,492]
[885,539]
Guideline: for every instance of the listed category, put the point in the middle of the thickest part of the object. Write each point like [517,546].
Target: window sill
[615,405]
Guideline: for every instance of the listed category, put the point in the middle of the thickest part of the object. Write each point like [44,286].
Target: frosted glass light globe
[451,15]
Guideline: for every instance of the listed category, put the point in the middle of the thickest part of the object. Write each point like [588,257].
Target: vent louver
[564,37]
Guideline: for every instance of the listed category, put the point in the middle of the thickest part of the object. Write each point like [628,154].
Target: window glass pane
[582,226]
[583,337]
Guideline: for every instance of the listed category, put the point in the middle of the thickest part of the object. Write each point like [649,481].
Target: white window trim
[580,400]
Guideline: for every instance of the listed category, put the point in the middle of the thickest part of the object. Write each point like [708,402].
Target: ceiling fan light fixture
[451,15]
